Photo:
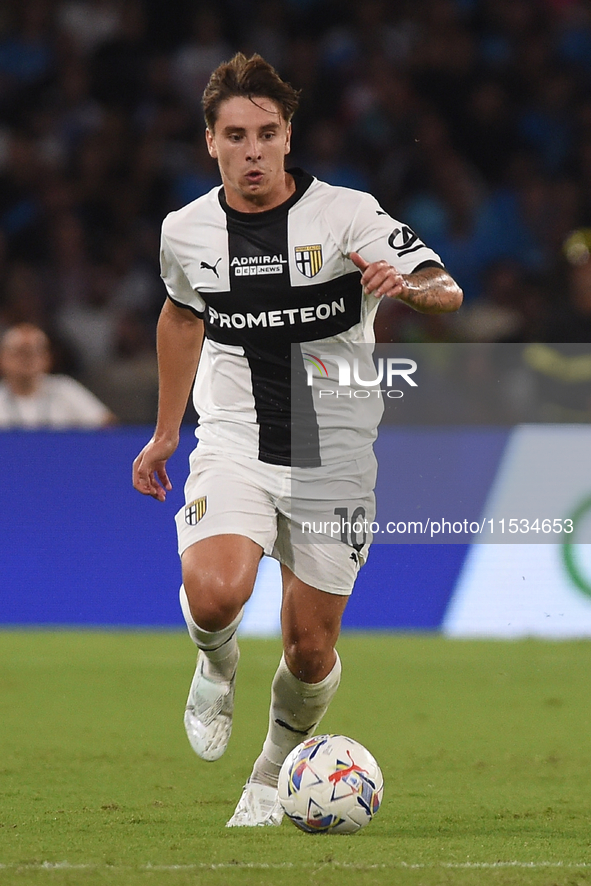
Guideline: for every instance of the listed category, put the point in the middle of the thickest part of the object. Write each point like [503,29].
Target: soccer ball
[330,784]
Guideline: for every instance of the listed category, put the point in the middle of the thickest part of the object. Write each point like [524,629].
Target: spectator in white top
[31,398]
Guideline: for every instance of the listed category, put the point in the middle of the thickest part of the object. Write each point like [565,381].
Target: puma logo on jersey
[213,268]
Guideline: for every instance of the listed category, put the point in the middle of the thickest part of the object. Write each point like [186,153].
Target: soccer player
[271,259]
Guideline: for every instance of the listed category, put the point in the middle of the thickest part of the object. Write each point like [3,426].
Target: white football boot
[257,807]
[208,714]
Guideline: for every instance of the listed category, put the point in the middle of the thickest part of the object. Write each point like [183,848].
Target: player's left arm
[430,290]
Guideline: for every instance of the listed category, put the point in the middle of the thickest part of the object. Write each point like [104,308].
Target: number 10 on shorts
[353,531]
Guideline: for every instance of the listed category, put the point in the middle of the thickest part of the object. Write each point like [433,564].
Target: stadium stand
[470,119]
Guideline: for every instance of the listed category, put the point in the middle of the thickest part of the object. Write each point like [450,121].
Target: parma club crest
[308,259]
[195,510]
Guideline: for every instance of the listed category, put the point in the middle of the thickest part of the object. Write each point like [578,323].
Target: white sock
[220,648]
[296,710]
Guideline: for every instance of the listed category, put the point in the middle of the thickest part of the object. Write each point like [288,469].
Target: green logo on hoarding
[568,550]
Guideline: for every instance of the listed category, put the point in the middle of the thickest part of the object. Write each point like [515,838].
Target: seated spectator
[30,398]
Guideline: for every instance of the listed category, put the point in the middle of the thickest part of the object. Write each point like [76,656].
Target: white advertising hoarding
[526,586]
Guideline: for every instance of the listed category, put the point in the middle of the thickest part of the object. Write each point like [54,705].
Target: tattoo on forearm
[431,291]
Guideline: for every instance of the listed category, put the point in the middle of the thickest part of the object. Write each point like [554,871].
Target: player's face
[250,140]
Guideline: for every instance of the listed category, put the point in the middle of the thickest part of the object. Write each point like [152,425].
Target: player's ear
[288,139]
[210,141]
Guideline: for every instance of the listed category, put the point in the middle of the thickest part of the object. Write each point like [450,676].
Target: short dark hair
[251,78]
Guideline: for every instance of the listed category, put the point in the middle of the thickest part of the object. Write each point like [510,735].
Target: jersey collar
[302,180]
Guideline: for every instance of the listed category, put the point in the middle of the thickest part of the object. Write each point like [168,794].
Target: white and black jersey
[265,281]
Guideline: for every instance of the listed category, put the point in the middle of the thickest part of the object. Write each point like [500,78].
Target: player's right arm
[179,341]
[393,260]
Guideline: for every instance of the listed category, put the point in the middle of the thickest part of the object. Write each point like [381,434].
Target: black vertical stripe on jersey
[288,425]
[305,439]
[265,234]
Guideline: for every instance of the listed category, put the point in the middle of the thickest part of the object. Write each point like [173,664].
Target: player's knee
[309,657]
[215,601]
[213,614]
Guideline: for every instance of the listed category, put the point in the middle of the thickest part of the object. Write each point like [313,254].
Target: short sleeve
[376,236]
[177,285]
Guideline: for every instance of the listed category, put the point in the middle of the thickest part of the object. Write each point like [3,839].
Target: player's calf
[210,704]
[296,710]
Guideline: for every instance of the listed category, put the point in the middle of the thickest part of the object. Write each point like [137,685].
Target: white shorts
[270,504]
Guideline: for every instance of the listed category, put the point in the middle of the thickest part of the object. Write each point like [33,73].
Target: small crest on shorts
[308,259]
[196,510]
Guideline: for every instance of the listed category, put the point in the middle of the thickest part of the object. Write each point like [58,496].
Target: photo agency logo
[354,377]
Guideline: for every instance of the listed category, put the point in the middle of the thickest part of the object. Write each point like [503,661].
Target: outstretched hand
[149,469]
[378,278]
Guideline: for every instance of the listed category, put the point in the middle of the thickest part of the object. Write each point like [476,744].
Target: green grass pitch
[485,748]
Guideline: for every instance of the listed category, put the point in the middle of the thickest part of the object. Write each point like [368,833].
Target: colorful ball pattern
[330,784]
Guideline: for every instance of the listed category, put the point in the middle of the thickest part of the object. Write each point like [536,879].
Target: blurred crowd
[470,120]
